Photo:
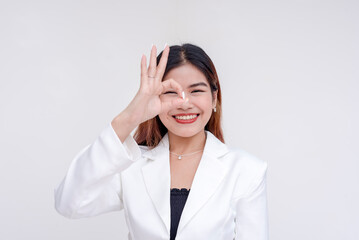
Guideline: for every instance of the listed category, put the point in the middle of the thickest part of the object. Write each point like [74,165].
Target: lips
[184,120]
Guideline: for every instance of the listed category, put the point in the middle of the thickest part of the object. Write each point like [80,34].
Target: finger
[143,68]
[163,63]
[153,64]
[168,105]
[171,84]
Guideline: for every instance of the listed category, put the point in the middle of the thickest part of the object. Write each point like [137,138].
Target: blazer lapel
[210,173]
[156,174]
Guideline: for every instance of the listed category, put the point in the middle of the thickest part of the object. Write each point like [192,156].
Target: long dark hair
[150,132]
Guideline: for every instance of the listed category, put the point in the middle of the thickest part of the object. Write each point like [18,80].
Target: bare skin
[184,170]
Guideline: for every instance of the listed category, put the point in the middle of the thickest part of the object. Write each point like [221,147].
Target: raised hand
[147,103]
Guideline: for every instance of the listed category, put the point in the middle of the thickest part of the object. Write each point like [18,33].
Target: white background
[289,77]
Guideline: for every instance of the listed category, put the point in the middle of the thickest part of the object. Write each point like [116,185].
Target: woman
[175,178]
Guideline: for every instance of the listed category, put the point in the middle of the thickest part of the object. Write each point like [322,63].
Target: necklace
[180,156]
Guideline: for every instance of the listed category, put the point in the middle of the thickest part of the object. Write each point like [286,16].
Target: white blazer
[227,199]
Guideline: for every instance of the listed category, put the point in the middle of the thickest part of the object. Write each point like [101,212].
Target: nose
[186,104]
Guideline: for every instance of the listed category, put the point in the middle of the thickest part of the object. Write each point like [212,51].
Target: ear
[214,98]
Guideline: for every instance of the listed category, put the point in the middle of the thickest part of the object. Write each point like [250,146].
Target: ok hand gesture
[147,102]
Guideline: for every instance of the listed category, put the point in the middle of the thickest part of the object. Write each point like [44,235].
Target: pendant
[179,157]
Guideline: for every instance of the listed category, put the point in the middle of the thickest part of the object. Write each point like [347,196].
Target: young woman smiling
[175,178]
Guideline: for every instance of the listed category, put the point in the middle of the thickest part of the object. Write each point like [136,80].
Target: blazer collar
[210,173]
[213,146]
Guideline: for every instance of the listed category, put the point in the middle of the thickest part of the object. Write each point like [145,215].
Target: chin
[185,133]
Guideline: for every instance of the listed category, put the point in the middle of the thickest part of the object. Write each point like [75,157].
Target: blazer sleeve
[251,209]
[92,185]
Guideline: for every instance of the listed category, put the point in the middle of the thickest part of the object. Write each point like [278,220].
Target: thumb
[166,106]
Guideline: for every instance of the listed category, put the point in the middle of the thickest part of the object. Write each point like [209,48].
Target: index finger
[163,63]
[171,84]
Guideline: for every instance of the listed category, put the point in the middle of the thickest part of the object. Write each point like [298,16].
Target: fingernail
[165,45]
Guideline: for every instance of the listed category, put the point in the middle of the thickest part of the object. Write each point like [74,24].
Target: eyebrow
[197,84]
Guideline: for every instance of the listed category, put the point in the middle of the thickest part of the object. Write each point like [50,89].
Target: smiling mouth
[185,117]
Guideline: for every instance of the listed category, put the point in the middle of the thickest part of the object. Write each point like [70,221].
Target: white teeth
[186,117]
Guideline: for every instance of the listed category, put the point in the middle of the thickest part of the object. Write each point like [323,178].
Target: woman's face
[200,102]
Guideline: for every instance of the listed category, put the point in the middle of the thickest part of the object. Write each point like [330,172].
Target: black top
[178,200]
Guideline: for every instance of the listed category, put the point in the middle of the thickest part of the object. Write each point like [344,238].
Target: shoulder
[246,170]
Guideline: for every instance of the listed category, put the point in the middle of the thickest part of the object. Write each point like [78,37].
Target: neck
[183,145]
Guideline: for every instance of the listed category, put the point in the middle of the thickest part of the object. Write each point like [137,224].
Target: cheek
[205,103]
[164,117]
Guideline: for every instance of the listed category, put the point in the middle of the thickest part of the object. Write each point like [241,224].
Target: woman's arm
[251,208]
[92,185]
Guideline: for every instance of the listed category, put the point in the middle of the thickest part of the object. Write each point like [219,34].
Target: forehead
[186,74]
